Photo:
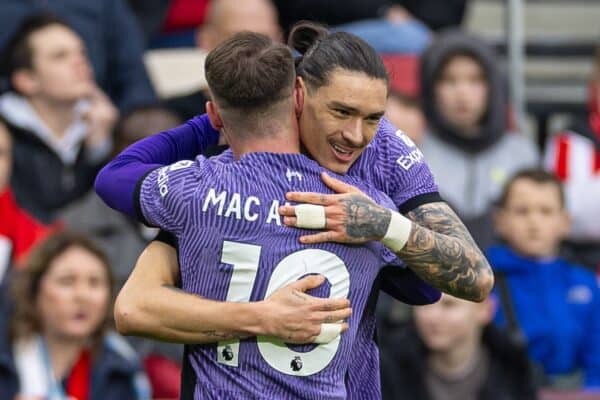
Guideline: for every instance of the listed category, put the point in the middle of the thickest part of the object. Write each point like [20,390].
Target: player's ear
[299,96]
[213,115]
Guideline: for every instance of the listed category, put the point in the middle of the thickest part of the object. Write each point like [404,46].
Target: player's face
[461,93]
[61,70]
[74,295]
[451,323]
[533,221]
[340,119]
[5,156]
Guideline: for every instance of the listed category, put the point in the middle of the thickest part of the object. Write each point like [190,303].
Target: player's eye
[342,112]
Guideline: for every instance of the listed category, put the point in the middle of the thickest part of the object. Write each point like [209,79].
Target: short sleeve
[398,168]
[165,193]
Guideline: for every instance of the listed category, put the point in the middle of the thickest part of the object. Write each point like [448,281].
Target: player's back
[233,246]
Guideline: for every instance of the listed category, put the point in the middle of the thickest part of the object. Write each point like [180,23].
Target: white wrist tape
[328,333]
[310,216]
[397,233]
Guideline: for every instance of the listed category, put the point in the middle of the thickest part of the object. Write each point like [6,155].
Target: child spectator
[553,304]
[60,121]
[59,345]
[405,112]
[453,353]
[467,145]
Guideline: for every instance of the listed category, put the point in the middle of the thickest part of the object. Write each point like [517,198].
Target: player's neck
[278,139]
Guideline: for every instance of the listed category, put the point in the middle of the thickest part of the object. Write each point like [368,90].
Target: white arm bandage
[397,233]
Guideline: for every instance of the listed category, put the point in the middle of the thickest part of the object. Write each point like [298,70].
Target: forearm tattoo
[366,220]
[442,252]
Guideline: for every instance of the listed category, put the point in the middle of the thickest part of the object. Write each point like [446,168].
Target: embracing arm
[438,247]
[150,305]
[116,183]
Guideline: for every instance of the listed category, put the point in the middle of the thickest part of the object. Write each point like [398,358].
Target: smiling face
[74,295]
[340,119]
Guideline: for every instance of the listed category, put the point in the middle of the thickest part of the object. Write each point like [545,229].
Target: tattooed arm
[150,305]
[439,249]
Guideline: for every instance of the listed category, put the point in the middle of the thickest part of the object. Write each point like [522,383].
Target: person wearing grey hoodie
[468,145]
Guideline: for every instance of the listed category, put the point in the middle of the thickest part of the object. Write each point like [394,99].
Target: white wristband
[328,333]
[310,216]
[397,233]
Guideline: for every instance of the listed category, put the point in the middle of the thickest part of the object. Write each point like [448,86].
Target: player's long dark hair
[322,52]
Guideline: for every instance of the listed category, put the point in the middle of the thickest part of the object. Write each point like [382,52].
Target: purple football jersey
[233,246]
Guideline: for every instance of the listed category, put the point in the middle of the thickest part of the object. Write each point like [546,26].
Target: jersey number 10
[245,259]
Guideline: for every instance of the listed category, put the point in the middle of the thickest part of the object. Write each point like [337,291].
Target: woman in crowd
[58,345]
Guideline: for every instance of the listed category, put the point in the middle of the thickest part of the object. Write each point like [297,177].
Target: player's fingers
[290,221]
[319,199]
[308,282]
[328,305]
[338,186]
[335,316]
[322,237]
[287,211]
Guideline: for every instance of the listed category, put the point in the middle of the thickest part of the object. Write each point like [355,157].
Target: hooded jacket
[403,368]
[557,307]
[471,171]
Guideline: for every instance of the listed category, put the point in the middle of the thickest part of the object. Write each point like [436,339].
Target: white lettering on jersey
[162,180]
[407,141]
[274,213]
[249,201]
[213,200]
[407,161]
[235,207]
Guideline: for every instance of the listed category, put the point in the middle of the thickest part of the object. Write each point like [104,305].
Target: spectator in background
[111,36]
[224,19]
[405,112]
[60,121]
[453,353]
[553,304]
[467,145]
[437,14]
[574,156]
[59,344]
[19,231]
[121,239]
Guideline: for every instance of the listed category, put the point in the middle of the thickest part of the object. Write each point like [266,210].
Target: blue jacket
[557,307]
[116,373]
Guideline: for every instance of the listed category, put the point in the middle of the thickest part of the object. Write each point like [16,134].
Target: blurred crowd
[75,92]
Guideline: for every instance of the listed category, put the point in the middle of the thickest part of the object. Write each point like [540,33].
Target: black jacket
[403,368]
[41,182]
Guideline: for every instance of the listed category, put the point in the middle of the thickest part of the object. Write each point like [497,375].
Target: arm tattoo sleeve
[441,251]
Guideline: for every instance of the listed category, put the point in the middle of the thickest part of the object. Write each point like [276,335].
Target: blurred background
[502,97]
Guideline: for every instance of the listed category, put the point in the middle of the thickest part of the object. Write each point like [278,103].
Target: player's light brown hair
[250,72]
[536,175]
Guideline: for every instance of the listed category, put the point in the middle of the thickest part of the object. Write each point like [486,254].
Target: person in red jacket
[19,231]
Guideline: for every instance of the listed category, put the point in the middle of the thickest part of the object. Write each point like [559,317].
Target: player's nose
[353,133]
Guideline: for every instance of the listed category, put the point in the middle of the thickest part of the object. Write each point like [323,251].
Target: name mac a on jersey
[412,158]
[233,205]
